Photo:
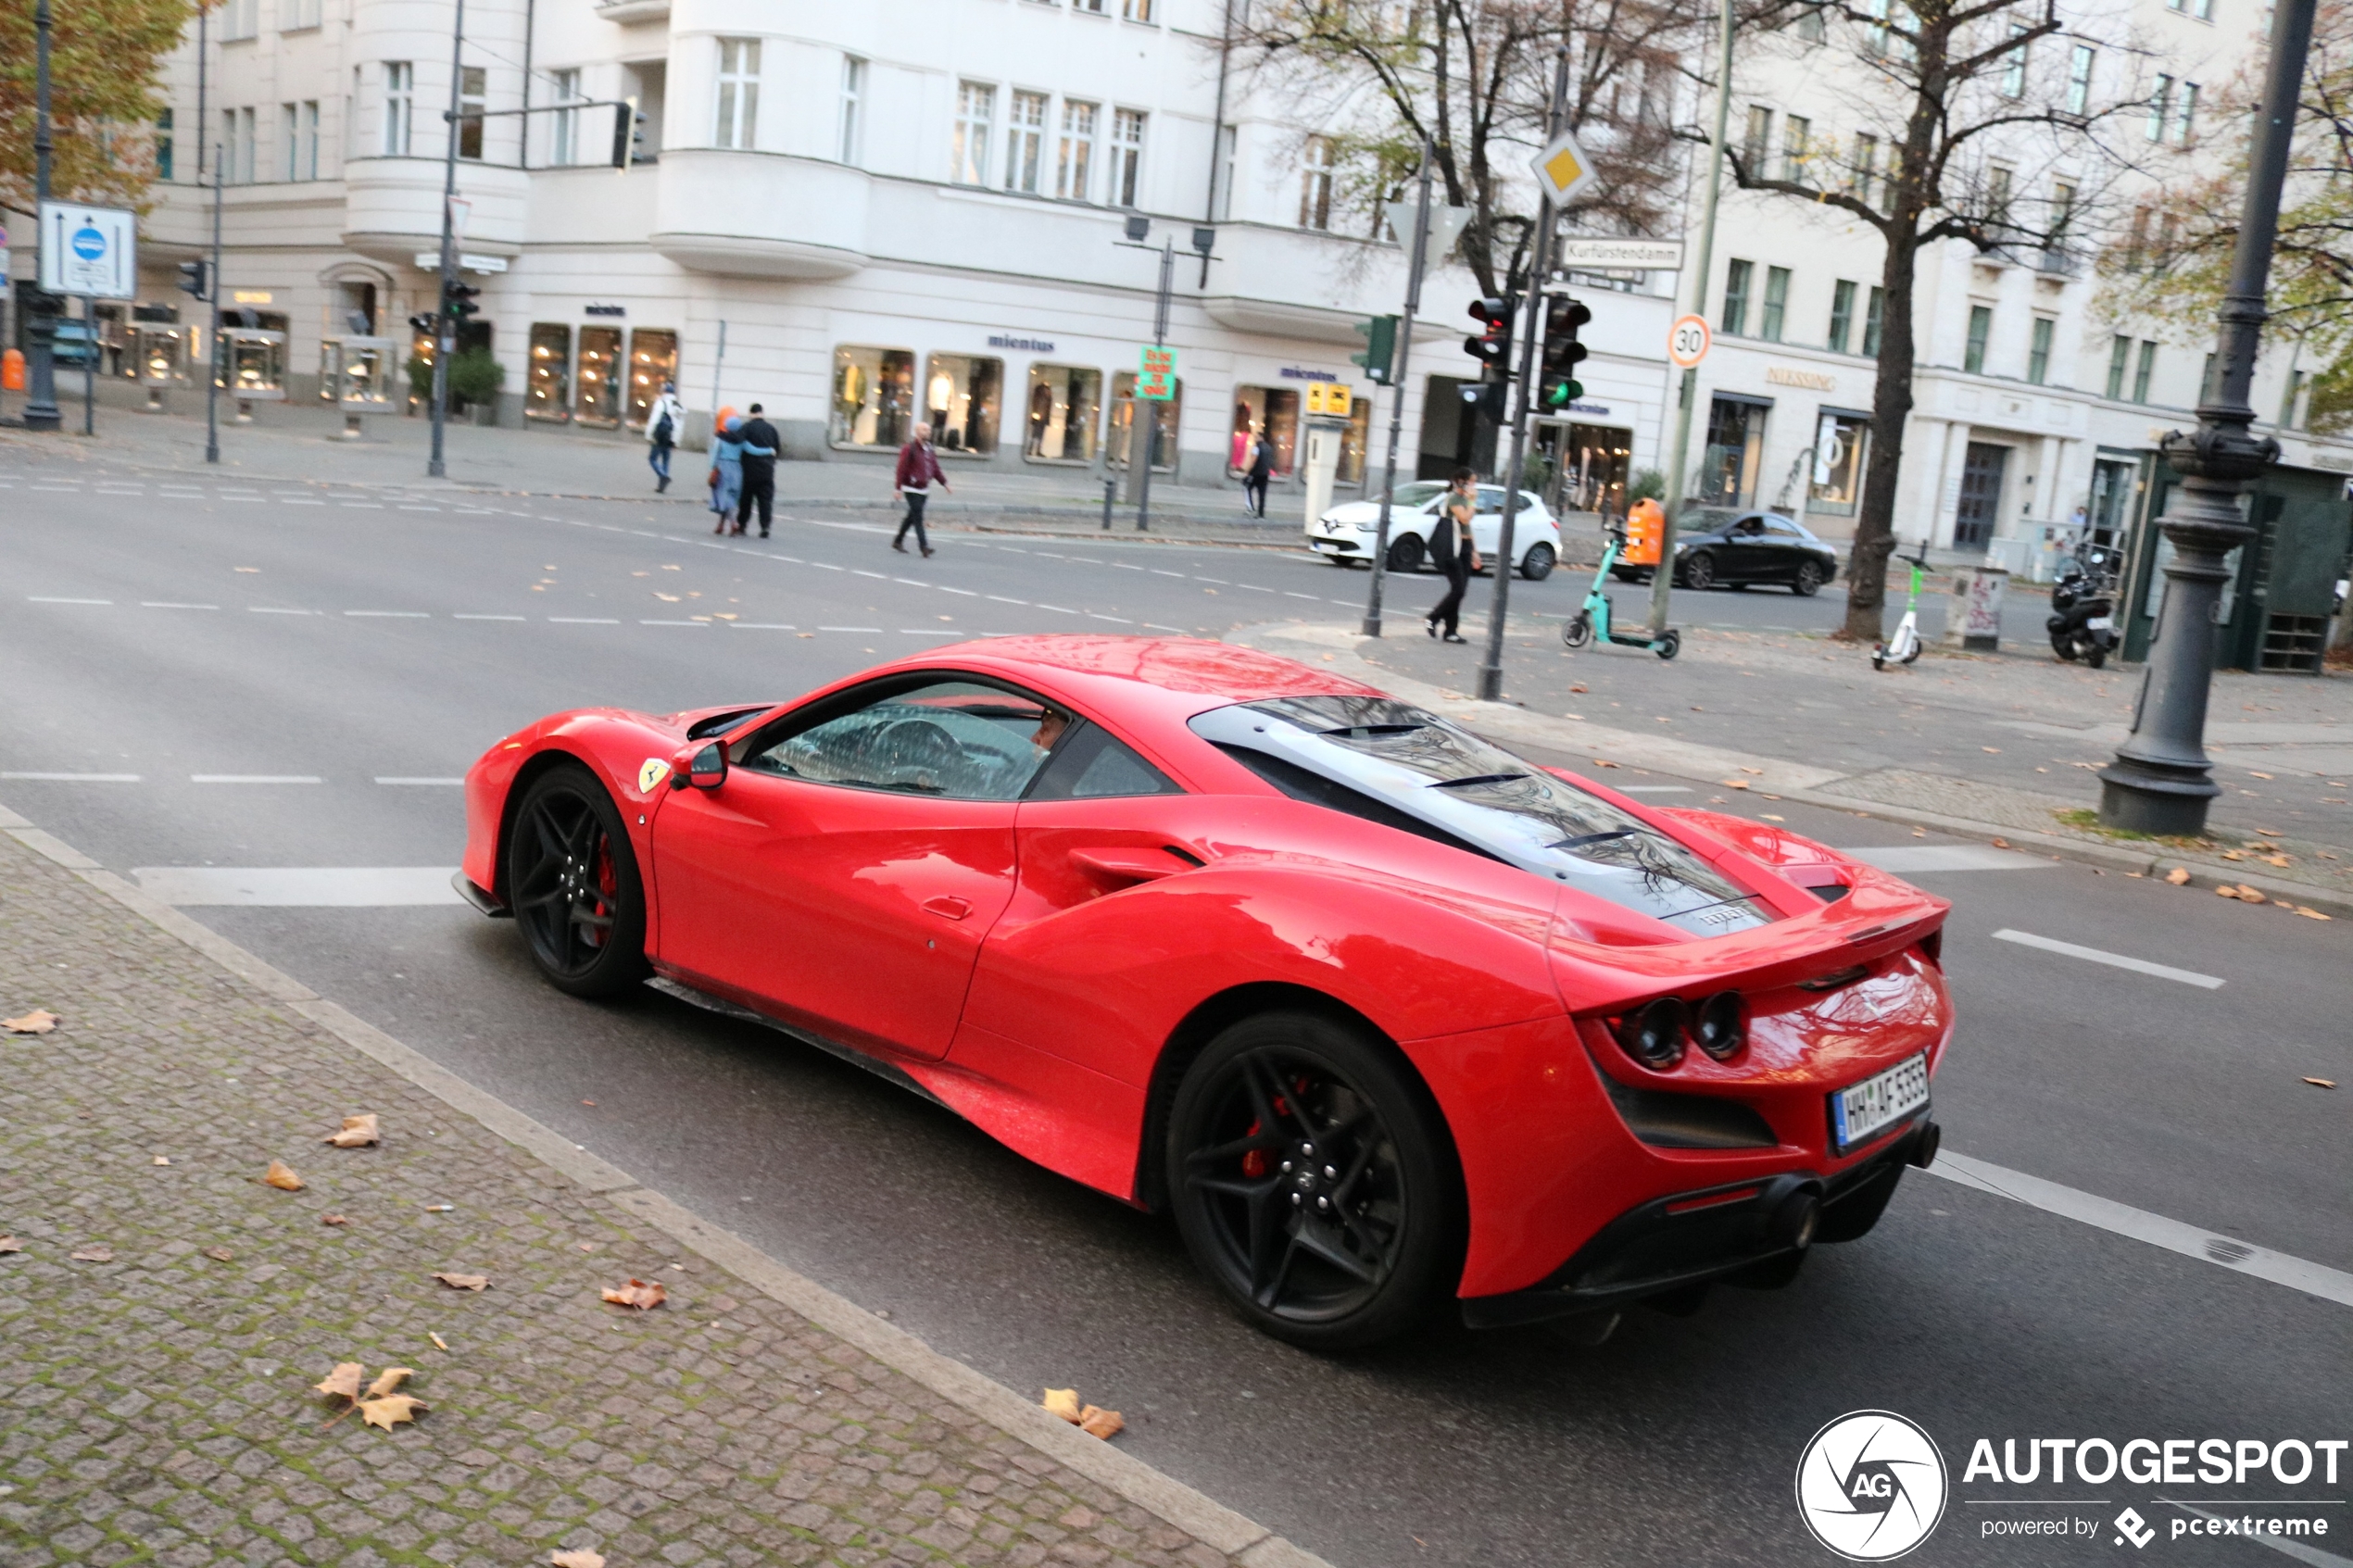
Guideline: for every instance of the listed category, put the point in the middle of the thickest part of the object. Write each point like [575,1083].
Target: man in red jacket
[919,470]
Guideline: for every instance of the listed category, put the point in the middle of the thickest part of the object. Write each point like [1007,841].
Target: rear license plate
[1863,1111]
[2100,622]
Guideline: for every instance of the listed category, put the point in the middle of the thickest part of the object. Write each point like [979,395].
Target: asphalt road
[348,641]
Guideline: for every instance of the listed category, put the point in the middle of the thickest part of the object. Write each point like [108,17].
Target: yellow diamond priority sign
[1562,169]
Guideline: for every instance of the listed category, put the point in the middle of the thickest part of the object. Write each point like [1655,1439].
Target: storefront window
[1735,451]
[1123,421]
[1839,443]
[653,359]
[1593,461]
[548,396]
[873,402]
[1355,443]
[960,402]
[1270,411]
[1064,403]
[597,392]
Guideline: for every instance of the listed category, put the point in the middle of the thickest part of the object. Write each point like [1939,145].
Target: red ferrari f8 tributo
[1380,1012]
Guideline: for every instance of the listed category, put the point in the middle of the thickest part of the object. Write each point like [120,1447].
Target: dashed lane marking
[390,614]
[397,779]
[299,886]
[51,599]
[1946,858]
[2114,960]
[167,604]
[256,778]
[461,615]
[73,778]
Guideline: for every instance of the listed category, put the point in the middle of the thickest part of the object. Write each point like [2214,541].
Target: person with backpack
[662,423]
[1452,552]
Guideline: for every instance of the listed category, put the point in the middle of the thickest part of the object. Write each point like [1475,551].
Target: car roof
[1136,678]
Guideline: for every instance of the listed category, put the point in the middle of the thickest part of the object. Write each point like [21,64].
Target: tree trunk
[1891,410]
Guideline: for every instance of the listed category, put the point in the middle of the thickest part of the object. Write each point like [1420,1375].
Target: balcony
[760,215]
[628,12]
[392,208]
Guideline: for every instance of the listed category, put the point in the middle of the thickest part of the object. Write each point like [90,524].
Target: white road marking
[299,886]
[167,604]
[1002,600]
[582,621]
[1156,571]
[46,599]
[363,505]
[273,610]
[673,622]
[289,501]
[391,614]
[256,778]
[1093,615]
[405,780]
[2296,1274]
[926,632]
[460,616]
[2114,960]
[1057,609]
[75,778]
[762,626]
[1946,858]
[1309,598]
[966,592]
[1658,789]
[849,628]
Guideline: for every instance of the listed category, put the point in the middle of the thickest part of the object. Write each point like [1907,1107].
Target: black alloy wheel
[1405,552]
[571,881]
[1313,1183]
[1538,563]
[1700,571]
[1808,580]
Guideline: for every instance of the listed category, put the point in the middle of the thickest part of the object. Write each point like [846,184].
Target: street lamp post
[2159,782]
[41,327]
[445,326]
[1397,381]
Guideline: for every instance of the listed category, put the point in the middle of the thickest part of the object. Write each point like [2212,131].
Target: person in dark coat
[1261,469]
[919,470]
[1452,552]
[761,447]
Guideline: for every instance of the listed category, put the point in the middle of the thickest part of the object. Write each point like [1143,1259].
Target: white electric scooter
[1905,647]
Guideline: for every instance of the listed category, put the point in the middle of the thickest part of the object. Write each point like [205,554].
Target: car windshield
[1705,520]
[948,738]
[1394,763]
[1419,493]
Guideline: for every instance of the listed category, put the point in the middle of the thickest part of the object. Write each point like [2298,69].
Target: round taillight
[1722,1025]
[1653,1037]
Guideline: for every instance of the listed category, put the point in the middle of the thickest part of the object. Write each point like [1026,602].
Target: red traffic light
[1493,345]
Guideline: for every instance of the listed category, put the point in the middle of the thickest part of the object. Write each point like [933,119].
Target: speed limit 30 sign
[1687,341]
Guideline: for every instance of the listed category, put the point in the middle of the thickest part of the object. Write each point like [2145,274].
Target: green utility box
[2276,609]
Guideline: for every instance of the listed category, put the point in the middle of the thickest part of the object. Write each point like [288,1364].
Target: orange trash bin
[1645,526]
[12,370]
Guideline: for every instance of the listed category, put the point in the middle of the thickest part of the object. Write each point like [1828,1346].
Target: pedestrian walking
[1261,469]
[662,422]
[726,470]
[919,470]
[761,445]
[1452,552]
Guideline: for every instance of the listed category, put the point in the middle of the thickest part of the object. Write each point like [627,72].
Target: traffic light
[1379,354]
[421,324]
[1556,383]
[457,302]
[628,134]
[1492,344]
[196,278]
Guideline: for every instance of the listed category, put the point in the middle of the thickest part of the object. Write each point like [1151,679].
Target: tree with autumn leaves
[104,57]
[2170,260]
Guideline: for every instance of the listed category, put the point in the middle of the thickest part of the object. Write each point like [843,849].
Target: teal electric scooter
[1594,618]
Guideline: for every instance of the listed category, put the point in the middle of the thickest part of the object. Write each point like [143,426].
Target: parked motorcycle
[2082,621]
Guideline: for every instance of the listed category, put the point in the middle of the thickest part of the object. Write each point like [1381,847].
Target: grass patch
[2083,820]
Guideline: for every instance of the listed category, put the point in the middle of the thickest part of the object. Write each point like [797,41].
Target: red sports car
[1381,1011]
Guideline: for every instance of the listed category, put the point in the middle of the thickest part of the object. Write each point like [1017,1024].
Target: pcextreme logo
[1871,1485]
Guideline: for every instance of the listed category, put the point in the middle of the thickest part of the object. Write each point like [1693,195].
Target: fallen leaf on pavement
[1995,749]
[587,1102]
[1577,688]
[332,1219]
[1598,763]
[343,1382]
[2178,875]
[2232,855]
[1920,832]
[438,1208]
[1063,1402]
[10,1244]
[2248,895]
[2260,775]
[577,1560]
[439,1343]
[2322,1083]
[1744,767]
[2227,891]
[358,1132]
[2273,832]
[464,1282]
[162,1159]
[219,1254]
[1097,1422]
[2275,859]
[389,1381]
[1735,784]
[2308,912]
[638,1294]
[281,1175]
[587,1247]
[391,1410]
[100,1254]
[1770,818]
[40,1020]
[2001,844]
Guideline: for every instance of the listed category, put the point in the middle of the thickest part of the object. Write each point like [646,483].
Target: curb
[1194,1512]
[1800,781]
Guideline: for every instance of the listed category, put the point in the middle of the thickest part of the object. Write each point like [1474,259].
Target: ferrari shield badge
[651,773]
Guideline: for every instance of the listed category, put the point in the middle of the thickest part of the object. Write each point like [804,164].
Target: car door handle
[947,906]
[1129,864]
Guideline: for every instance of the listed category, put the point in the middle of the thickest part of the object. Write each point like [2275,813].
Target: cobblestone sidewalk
[166,1315]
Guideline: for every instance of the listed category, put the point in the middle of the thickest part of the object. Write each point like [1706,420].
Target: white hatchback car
[1345,535]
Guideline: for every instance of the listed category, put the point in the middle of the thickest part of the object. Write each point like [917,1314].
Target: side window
[1490,498]
[1781,529]
[1093,764]
[958,739]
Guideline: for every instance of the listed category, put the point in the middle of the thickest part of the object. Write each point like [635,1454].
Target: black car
[1721,546]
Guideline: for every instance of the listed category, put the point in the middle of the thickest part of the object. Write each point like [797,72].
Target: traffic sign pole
[40,390]
[1413,266]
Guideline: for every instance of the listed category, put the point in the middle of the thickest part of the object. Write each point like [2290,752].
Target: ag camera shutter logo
[1871,1485]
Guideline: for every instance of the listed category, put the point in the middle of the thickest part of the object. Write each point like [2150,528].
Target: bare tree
[1955,95]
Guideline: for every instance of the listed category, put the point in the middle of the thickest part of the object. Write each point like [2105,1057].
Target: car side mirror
[699,768]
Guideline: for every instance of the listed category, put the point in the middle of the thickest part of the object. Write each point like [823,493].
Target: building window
[1126,157]
[1809,25]
[1753,139]
[1842,315]
[548,384]
[240,18]
[1087,7]
[975,114]
[1871,312]
[2185,113]
[653,359]
[960,402]
[873,398]
[1136,10]
[567,130]
[1796,132]
[853,100]
[400,87]
[1733,462]
[2014,68]
[2145,372]
[1066,407]
[1315,185]
[1841,442]
[2038,350]
[1268,411]
[1075,154]
[473,96]
[248,146]
[2161,109]
[1163,429]
[163,145]
[2078,79]
[2119,359]
[1026,143]
[1776,303]
[1865,173]
[296,14]
[1980,328]
[739,93]
[597,383]
[2288,403]
[290,133]
[2062,213]
[1733,320]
